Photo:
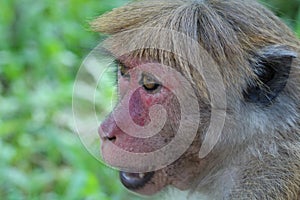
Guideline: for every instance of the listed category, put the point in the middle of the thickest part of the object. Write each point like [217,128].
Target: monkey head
[197,81]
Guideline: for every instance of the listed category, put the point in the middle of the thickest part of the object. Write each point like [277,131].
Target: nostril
[106,135]
[112,139]
[108,130]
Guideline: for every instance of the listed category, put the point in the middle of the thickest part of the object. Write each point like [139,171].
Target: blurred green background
[42,44]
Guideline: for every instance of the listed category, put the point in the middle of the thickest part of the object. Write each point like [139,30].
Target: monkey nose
[108,130]
[106,135]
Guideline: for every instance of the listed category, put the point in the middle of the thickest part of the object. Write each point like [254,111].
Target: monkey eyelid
[152,85]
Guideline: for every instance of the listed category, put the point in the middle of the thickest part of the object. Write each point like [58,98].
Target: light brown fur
[258,154]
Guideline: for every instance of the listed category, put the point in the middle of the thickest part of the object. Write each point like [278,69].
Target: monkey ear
[272,66]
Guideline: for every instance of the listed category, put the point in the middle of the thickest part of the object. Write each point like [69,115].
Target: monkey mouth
[134,181]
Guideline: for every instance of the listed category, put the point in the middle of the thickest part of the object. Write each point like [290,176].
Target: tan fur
[258,156]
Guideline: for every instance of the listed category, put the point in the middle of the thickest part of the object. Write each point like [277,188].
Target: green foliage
[42,46]
[289,11]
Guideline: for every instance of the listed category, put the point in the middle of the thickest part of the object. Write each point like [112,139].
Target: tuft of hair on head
[230,31]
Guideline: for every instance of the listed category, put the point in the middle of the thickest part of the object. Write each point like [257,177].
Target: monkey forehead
[229,32]
[178,48]
[161,45]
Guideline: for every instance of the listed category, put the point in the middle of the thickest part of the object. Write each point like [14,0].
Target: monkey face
[146,91]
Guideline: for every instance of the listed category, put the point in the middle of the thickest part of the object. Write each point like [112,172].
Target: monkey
[257,154]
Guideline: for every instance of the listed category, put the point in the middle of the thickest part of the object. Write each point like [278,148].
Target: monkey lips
[135,181]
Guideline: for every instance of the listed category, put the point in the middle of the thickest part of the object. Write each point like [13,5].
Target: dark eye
[123,70]
[149,83]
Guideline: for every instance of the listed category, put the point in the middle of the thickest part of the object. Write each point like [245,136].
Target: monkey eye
[149,83]
[123,70]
